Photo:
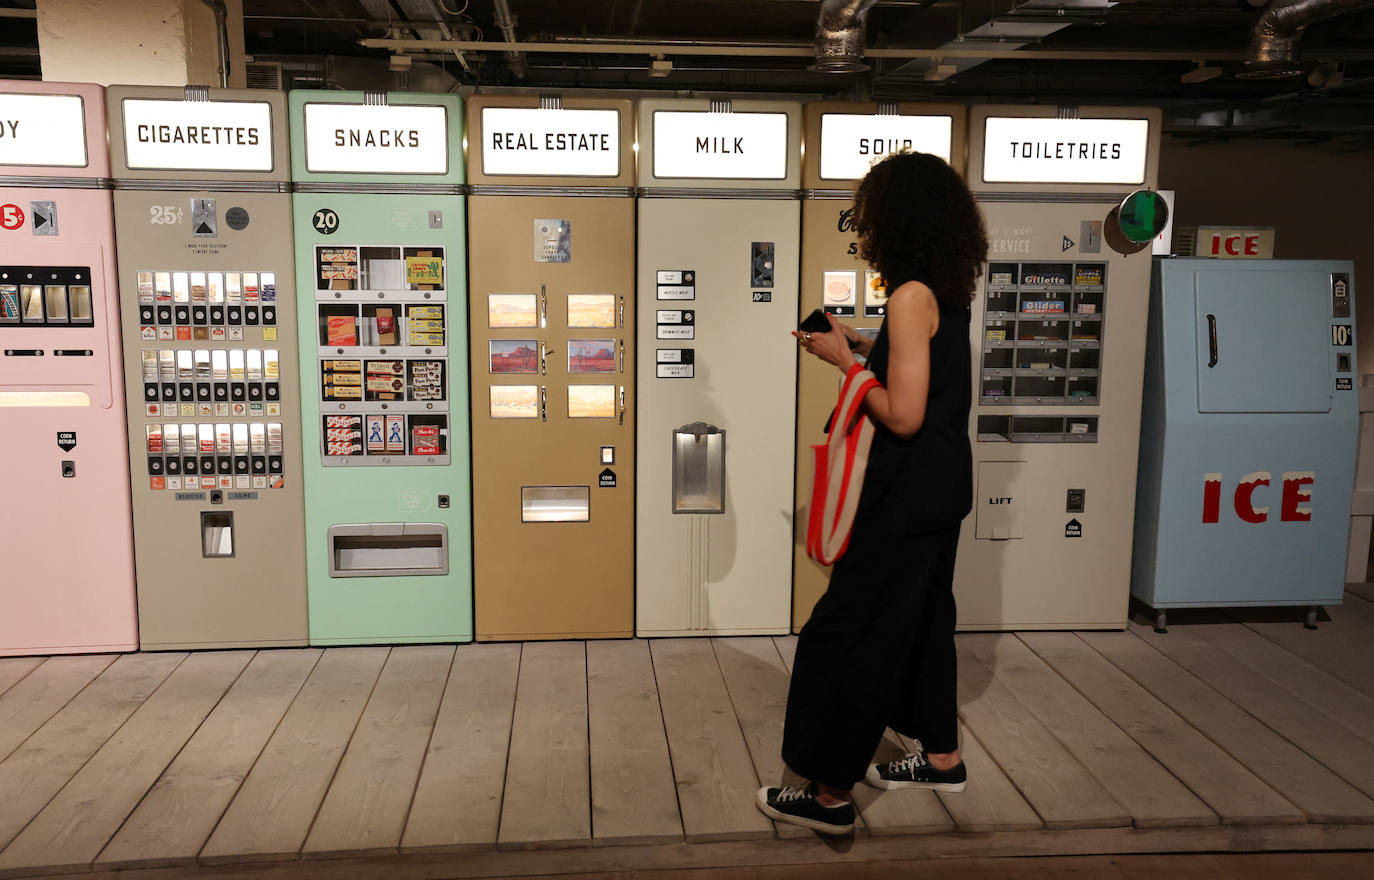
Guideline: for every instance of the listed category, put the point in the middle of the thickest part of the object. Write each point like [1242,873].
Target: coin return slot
[217,534]
[545,504]
[388,549]
[698,469]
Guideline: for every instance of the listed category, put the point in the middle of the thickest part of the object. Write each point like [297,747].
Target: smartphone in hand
[817,322]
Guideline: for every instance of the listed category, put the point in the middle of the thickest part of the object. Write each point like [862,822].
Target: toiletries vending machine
[203,220]
[1249,435]
[65,524]
[553,348]
[843,140]
[1058,345]
[381,282]
[719,230]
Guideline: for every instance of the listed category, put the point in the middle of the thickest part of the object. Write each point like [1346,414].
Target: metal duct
[839,36]
[506,21]
[1275,34]
[221,38]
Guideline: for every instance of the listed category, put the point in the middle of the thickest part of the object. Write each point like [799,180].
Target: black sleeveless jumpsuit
[878,651]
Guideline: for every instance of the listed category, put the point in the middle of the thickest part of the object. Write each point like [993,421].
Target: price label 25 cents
[165,215]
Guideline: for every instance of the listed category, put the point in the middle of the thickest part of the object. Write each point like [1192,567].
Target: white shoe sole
[819,827]
[874,779]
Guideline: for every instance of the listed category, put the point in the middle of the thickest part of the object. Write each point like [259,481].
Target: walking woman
[878,651]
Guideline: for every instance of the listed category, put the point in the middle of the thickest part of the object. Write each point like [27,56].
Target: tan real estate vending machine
[719,229]
[844,140]
[551,281]
[1058,342]
[203,228]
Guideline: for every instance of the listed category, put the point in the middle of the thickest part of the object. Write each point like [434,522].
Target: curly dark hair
[917,221]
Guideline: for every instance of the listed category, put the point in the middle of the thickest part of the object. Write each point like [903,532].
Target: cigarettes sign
[169,135]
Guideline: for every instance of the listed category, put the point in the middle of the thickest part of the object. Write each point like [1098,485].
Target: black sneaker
[798,806]
[914,771]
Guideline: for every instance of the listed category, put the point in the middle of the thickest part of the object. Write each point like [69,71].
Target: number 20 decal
[325,221]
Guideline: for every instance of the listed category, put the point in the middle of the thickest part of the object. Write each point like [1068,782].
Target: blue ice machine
[1249,428]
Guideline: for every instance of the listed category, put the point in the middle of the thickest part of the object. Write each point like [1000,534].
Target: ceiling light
[660,66]
[400,63]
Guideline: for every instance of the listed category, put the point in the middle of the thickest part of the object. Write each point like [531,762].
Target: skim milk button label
[45,130]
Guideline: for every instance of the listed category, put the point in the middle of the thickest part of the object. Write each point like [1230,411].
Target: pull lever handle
[1212,339]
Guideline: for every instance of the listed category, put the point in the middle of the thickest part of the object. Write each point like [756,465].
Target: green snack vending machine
[382,284]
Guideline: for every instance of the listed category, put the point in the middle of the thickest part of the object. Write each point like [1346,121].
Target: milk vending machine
[719,229]
[1250,426]
[381,286]
[553,392]
[843,140]
[203,224]
[1058,343]
[65,524]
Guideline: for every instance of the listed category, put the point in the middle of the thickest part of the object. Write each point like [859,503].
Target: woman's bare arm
[912,319]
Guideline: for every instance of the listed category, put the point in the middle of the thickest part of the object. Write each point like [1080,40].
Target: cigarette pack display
[274,439]
[154,438]
[376,434]
[424,440]
[396,434]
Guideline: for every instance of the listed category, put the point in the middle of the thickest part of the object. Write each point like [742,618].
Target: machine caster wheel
[1161,621]
[1311,621]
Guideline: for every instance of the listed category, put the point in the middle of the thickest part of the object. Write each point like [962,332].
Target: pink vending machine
[66,527]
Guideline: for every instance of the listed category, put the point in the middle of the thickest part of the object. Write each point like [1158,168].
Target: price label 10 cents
[325,221]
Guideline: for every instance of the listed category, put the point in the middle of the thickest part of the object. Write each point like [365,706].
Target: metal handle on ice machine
[1212,339]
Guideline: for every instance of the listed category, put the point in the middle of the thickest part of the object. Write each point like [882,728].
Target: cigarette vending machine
[1249,434]
[553,393]
[381,281]
[1058,344]
[204,238]
[65,523]
[843,140]
[719,229]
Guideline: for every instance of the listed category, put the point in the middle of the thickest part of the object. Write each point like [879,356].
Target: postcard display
[719,230]
[65,524]
[381,281]
[203,224]
[1058,344]
[553,393]
[843,140]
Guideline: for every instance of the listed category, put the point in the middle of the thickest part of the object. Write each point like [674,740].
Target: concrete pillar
[137,42]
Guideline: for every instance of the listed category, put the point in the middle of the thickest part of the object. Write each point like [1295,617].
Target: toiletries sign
[540,142]
[1045,149]
[45,130]
[376,139]
[735,146]
[852,142]
[171,135]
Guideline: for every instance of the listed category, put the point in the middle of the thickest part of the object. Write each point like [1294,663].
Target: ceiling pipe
[840,36]
[506,21]
[221,38]
[1276,32]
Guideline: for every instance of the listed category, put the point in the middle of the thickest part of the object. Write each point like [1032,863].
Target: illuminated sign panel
[376,139]
[1050,150]
[43,130]
[852,142]
[534,142]
[738,146]
[168,135]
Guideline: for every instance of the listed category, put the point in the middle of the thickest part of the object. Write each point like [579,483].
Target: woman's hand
[832,347]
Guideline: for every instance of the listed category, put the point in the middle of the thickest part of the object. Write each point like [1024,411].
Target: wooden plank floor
[1241,733]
